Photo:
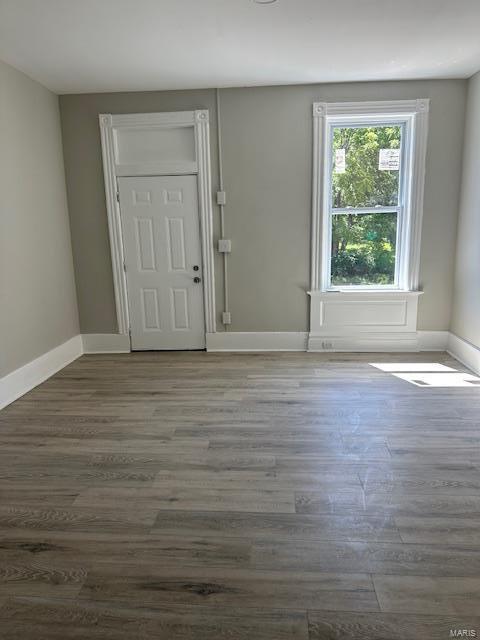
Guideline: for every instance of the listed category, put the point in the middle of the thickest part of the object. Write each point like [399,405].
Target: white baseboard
[402,341]
[465,352]
[24,379]
[301,341]
[432,340]
[286,341]
[106,343]
[18,382]
[364,342]
[257,341]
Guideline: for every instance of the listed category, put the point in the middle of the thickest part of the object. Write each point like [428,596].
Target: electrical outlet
[326,344]
[226,317]
[224,246]
[221,198]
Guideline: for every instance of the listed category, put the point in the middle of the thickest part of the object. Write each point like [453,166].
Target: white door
[163,259]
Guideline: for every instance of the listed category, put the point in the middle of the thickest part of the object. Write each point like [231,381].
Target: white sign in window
[389,160]
[340,164]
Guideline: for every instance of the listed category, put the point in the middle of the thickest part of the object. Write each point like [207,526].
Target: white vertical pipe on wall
[222,207]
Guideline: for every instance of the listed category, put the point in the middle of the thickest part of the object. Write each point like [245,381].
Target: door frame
[198,122]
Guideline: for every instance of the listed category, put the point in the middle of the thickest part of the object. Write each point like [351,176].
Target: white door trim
[198,122]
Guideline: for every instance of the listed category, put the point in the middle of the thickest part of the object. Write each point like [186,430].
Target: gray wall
[267,135]
[37,291]
[466,304]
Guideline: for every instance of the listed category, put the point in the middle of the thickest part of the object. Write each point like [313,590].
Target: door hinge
[130,332]
[118,196]
[124,266]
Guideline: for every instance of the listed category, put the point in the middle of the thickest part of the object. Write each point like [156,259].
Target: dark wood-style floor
[239,497]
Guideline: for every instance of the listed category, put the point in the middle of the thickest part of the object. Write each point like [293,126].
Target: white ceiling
[113,45]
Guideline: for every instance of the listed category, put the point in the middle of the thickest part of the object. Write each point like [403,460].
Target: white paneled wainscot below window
[368,180]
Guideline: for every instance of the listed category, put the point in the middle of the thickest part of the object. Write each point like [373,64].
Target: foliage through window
[365,203]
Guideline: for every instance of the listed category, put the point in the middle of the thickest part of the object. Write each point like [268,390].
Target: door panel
[161,236]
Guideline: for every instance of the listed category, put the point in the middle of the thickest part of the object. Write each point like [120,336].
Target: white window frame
[412,115]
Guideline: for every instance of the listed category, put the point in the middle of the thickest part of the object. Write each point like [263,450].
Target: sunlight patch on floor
[397,367]
[428,374]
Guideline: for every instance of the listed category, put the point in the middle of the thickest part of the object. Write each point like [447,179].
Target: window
[368,190]
[365,203]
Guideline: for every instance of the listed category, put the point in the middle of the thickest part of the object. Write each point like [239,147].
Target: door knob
[196,267]
[197,280]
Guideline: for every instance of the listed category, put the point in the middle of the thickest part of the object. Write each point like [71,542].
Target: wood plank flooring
[181,496]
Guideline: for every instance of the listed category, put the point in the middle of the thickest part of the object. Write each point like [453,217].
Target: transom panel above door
[163,258]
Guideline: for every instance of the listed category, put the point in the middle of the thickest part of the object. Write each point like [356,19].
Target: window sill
[394,293]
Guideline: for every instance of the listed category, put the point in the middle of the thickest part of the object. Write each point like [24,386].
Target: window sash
[361,210]
[358,124]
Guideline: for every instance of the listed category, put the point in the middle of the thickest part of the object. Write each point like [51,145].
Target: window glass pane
[366,166]
[363,248]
